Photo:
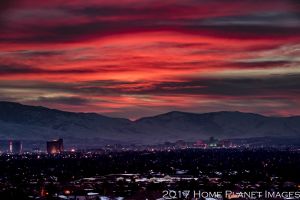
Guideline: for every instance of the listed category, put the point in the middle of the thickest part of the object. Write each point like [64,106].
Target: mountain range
[23,122]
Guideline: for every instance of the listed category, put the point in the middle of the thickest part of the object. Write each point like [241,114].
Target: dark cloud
[245,31]
[94,30]
[277,19]
[31,53]
[5,6]
[272,85]
[17,69]
[259,64]
[236,21]
[266,86]
[253,86]
[73,101]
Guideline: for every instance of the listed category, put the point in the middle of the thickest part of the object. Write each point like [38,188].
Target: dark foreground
[149,175]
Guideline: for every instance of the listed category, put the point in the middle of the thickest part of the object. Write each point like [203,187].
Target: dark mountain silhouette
[24,122]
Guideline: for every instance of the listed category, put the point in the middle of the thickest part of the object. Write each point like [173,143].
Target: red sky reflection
[137,58]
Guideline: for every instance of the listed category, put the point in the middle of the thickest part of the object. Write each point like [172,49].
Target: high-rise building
[55,146]
[212,142]
[15,146]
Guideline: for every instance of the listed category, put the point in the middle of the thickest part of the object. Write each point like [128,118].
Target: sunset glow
[137,58]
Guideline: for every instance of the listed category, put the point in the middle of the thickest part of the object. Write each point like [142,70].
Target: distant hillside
[24,122]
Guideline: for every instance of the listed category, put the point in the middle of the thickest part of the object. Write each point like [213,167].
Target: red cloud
[132,56]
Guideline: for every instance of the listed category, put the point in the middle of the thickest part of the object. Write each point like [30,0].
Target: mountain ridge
[18,121]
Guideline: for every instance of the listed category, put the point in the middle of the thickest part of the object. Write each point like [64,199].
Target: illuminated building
[55,146]
[225,143]
[15,146]
[212,142]
[200,144]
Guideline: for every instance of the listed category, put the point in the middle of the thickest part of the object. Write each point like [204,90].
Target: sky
[135,58]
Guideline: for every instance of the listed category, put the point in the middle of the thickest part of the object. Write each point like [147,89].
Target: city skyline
[142,58]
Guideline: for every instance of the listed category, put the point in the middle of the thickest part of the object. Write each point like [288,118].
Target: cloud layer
[135,58]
